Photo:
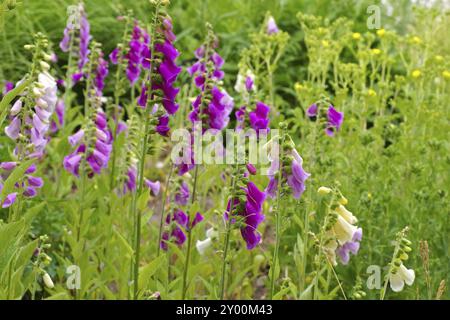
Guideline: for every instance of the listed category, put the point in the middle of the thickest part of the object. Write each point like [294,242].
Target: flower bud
[324,190]
[343,200]
[48,281]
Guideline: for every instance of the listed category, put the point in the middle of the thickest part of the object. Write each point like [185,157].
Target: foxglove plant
[92,142]
[398,274]
[76,41]
[29,123]
[211,108]
[158,89]
[244,211]
[287,176]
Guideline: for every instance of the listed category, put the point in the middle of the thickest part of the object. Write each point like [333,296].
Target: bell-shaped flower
[398,279]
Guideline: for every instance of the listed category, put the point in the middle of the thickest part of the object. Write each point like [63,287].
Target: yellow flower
[371,93]
[356,35]
[298,86]
[325,43]
[416,74]
[347,215]
[381,32]
[416,40]
[446,74]
[439,58]
[376,51]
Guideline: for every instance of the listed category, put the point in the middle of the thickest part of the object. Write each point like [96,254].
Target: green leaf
[149,270]
[4,104]
[14,177]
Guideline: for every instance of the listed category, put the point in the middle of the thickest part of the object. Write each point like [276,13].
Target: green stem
[163,211]
[144,143]
[189,231]
[227,238]
[277,224]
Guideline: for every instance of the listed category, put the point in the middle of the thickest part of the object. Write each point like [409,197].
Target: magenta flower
[312,111]
[335,120]
[8,87]
[251,212]
[100,75]
[259,119]
[177,222]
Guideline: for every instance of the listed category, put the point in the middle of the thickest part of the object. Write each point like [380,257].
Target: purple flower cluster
[217,112]
[259,119]
[168,72]
[177,223]
[198,69]
[334,118]
[83,42]
[28,184]
[96,148]
[295,176]
[100,75]
[251,212]
[60,110]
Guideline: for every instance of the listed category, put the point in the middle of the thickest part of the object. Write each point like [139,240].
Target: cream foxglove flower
[403,275]
[343,230]
[347,215]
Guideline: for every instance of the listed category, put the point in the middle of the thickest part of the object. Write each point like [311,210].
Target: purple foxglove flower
[13,129]
[295,178]
[130,182]
[65,42]
[272,27]
[30,192]
[8,87]
[60,111]
[249,83]
[153,186]
[312,111]
[252,214]
[76,138]
[240,118]
[251,169]
[17,106]
[197,219]
[182,195]
[259,119]
[350,247]
[100,75]
[114,56]
[9,200]
[36,182]
[335,120]
[178,235]
[8,166]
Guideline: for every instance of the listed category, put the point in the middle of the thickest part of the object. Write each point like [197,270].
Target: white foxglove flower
[243,82]
[203,245]
[403,275]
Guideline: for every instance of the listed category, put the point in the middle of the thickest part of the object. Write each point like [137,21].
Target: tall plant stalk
[143,153]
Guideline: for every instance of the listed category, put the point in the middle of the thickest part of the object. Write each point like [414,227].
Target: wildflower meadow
[224,150]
